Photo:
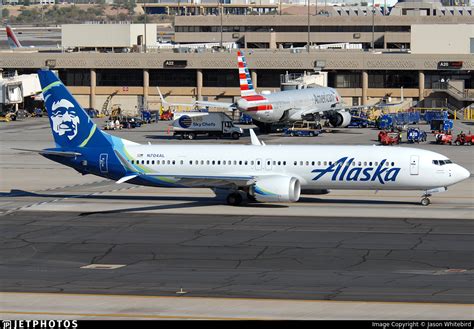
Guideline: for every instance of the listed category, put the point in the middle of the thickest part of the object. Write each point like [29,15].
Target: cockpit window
[441,162]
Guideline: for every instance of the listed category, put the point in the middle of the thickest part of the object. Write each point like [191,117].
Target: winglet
[254,139]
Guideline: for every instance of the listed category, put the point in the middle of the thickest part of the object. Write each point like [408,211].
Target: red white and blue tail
[246,85]
[12,40]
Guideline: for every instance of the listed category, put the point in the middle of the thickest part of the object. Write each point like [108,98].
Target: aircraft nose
[465,174]
[462,173]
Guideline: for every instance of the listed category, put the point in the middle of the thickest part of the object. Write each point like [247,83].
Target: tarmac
[344,255]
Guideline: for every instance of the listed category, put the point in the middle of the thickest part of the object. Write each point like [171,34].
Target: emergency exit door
[414,165]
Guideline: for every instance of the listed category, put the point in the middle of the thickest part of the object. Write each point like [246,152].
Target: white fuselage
[289,105]
[319,166]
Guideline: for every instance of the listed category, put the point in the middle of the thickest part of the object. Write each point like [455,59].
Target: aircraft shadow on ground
[197,201]
[356,201]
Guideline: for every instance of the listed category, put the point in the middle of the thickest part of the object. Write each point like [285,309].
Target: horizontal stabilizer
[228,106]
[67,154]
[125,179]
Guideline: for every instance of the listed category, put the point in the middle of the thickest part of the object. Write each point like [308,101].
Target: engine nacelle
[340,119]
[276,189]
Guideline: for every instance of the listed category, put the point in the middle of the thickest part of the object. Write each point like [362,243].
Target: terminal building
[427,59]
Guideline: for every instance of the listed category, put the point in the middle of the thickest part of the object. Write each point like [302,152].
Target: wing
[187,180]
[312,109]
[207,181]
[228,106]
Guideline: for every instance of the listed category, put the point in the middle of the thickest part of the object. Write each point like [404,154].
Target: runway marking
[126,315]
[235,298]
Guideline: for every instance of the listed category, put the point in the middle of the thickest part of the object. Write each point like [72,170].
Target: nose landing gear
[425,201]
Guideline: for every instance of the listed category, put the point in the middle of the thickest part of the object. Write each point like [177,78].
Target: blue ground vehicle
[441,125]
[303,128]
[245,119]
[385,122]
[358,122]
[416,135]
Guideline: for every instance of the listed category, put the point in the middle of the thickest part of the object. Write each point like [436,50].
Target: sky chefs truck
[190,124]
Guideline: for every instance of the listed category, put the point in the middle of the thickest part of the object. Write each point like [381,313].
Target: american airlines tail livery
[271,173]
[12,39]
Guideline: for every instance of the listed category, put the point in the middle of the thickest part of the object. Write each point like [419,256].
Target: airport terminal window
[393,79]
[433,78]
[173,78]
[345,79]
[75,77]
[221,78]
[271,78]
[119,77]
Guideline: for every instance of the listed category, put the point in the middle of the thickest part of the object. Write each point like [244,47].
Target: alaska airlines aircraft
[272,173]
[283,106]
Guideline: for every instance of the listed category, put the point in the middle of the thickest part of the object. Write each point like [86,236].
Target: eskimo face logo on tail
[344,170]
[65,118]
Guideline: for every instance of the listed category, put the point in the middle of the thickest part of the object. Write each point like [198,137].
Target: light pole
[309,27]
[144,33]
[373,25]
[222,13]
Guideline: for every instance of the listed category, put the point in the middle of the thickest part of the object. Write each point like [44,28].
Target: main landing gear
[236,198]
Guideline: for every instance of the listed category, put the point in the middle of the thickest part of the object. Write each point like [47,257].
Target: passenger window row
[268,163]
[347,164]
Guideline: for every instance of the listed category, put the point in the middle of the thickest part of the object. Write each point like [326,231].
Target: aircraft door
[258,164]
[103,166]
[414,165]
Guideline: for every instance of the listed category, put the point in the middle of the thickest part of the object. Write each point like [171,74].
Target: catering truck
[218,124]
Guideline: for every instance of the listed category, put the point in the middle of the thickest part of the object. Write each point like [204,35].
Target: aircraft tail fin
[12,39]
[70,124]
[246,85]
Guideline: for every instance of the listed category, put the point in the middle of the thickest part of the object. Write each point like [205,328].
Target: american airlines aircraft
[265,173]
[283,106]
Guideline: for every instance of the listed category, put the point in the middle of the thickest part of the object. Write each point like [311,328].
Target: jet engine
[339,119]
[276,188]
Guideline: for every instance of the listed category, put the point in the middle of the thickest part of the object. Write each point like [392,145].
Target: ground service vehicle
[303,129]
[390,138]
[358,122]
[444,138]
[463,139]
[416,135]
[190,124]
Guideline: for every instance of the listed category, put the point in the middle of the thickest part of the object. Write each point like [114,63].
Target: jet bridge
[14,88]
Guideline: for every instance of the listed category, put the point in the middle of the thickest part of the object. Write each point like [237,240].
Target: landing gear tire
[425,202]
[234,199]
